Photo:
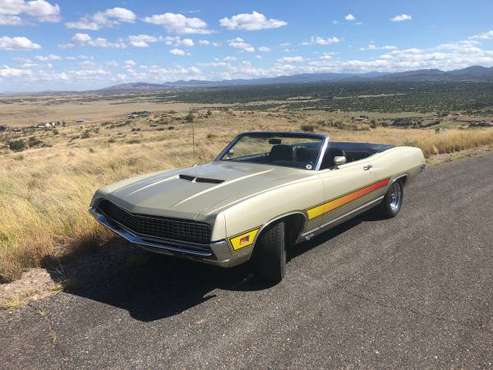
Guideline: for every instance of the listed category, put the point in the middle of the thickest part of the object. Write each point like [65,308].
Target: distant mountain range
[470,74]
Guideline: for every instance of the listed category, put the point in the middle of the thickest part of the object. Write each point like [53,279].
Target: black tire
[269,255]
[392,202]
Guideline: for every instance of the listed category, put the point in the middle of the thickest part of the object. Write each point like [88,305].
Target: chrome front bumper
[217,253]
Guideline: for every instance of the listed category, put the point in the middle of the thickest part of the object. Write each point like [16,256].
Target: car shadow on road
[151,286]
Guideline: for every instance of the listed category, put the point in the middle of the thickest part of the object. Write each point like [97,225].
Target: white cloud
[401,18]
[89,73]
[141,41]
[178,41]
[83,39]
[39,10]
[106,18]
[488,35]
[317,40]
[350,18]
[10,20]
[327,56]
[179,52]
[83,24]
[178,23]
[17,43]
[239,43]
[296,59]
[187,42]
[48,58]
[264,49]
[6,71]
[254,21]
[207,42]
[118,15]
[373,46]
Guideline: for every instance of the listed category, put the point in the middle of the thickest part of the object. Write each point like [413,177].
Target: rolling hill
[471,74]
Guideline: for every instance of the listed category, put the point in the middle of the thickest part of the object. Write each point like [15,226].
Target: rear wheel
[269,256]
[392,202]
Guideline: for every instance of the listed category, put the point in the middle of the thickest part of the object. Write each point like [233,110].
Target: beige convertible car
[263,192]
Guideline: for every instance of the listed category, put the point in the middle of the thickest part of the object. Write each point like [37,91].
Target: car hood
[200,191]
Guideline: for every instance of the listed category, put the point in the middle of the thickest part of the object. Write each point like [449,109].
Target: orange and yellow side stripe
[345,199]
[247,238]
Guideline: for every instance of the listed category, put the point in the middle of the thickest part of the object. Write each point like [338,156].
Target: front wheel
[392,202]
[269,255]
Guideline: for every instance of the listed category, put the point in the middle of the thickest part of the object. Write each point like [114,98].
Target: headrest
[281,152]
[303,154]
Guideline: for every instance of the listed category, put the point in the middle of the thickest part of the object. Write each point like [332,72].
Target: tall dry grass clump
[454,141]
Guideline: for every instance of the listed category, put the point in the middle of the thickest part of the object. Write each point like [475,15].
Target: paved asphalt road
[415,291]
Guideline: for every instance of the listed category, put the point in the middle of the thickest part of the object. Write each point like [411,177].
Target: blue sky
[49,44]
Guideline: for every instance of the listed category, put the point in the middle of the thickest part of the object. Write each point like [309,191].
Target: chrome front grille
[158,227]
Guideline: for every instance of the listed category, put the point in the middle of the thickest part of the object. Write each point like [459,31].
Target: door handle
[367,167]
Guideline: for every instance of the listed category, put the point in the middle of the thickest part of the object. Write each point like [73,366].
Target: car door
[346,189]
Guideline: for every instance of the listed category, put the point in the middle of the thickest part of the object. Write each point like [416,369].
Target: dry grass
[430,143]
[44,193]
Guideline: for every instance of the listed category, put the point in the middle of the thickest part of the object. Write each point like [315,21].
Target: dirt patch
[34,284]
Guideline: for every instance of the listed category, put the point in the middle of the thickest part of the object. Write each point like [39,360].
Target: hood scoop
[200,179]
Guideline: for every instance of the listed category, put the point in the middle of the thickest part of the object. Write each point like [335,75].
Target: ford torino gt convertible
[265,191]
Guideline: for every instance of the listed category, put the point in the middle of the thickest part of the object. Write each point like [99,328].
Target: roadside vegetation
[48,175]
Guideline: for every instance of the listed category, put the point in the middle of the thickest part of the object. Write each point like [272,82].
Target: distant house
[3,128]
[141,114]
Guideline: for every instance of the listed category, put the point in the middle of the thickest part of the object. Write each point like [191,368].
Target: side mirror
[339,160]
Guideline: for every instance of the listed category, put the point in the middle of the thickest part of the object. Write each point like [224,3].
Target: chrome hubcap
[395,197]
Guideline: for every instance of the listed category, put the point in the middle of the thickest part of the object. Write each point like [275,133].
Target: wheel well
[402,180]
[294,226]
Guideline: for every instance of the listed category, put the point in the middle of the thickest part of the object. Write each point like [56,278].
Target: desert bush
[17,145]
[189,117]
[85,134]
[33,141]
[307,128]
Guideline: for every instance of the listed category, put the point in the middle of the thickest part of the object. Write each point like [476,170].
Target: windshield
[286,150]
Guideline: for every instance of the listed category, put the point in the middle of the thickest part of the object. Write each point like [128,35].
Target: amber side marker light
[243,240]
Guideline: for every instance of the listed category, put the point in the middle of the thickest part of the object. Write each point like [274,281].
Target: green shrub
[17,145]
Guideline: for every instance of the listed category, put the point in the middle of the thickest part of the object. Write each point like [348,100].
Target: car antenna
[193,141]
[190,115]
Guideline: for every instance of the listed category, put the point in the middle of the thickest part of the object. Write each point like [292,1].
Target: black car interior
[305,155]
